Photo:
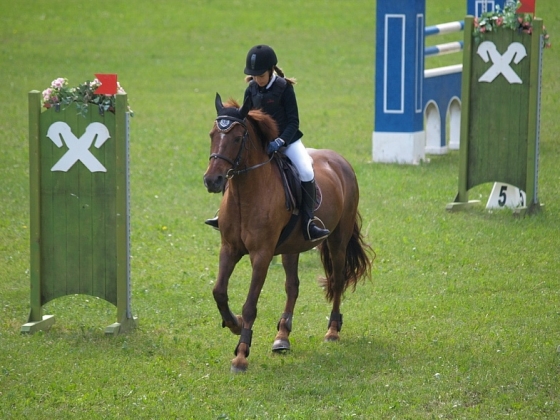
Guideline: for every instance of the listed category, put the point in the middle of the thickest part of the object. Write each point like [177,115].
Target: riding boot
[311,232]
[213,222]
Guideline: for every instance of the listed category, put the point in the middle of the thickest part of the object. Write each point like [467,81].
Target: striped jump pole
[442,29]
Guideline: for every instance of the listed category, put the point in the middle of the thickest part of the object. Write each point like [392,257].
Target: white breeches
[301,160]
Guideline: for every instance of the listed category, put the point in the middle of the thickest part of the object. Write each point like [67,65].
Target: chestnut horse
[253,213]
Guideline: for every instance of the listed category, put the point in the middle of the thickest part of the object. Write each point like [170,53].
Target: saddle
[293,193]
[291,181]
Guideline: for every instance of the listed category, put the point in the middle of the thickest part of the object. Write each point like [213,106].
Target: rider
[274,94]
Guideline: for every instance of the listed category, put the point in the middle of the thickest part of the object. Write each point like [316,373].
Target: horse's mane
[264,125]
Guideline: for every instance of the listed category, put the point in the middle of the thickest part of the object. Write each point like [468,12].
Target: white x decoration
[78,149]
[501,63]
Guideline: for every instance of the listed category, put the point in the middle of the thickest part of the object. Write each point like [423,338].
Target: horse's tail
[357,264]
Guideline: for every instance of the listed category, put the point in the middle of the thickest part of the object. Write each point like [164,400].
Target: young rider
[274,94]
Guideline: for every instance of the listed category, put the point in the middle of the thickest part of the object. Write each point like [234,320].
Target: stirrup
[321,233]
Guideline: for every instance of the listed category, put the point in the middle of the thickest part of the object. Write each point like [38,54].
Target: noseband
[224,123]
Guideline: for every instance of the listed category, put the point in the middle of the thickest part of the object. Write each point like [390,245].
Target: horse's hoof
[239,366]
[331,338]
[238,369]
[280,346]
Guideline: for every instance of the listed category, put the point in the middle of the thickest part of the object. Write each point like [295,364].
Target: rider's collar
[272,80]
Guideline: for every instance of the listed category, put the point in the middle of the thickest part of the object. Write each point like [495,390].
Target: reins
[225,123]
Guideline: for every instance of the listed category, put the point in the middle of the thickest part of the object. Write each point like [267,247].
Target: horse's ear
[247,105]
[219,104]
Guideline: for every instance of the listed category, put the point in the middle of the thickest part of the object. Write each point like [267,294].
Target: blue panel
[476,7]
[399,65]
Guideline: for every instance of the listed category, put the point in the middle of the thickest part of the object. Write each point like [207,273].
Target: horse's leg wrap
[246,337]
[288,318]
[337,317]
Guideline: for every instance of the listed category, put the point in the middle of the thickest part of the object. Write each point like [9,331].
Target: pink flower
[58,83]
[499,21]
[482,29]
[47,94]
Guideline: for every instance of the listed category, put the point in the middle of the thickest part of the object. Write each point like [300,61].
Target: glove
[275,145]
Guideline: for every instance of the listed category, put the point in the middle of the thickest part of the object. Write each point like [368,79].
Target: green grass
[461,317]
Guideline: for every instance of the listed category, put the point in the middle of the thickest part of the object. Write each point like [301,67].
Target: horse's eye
[238,139]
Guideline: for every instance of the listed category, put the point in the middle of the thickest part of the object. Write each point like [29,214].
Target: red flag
[527,6]
[108,84]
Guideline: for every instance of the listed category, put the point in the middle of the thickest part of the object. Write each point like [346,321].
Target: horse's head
[229,139]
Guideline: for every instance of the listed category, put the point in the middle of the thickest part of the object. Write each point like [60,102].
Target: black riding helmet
[260,59]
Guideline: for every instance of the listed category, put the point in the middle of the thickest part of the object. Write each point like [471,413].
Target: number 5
[503,197]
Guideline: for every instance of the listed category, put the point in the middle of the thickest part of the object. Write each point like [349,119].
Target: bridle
[224,123]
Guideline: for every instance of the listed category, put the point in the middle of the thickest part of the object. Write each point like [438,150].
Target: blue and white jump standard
[399,135]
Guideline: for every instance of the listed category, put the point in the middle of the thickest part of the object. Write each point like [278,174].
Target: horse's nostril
[214,183]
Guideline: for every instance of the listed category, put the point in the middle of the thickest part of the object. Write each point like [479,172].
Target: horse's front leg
[260,262]
[282,341]
[228,260]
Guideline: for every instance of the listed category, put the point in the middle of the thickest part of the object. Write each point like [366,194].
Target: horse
[253,213]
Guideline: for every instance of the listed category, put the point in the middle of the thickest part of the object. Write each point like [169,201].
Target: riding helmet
[260,59]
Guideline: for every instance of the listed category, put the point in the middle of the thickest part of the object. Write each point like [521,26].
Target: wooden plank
[53,243]
[103,193]
[84,232]
[111,213]
[71,199]
[34,98]
[122,207]
[45,323]
[533,118]
[98,209]
[465,110]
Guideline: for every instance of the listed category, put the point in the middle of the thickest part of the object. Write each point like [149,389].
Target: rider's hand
[275,145]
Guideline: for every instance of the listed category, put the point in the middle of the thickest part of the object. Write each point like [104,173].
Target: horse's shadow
[352,357]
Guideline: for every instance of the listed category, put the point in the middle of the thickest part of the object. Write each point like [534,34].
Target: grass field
[461,319]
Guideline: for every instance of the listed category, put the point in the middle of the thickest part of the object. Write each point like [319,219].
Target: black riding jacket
[278,101]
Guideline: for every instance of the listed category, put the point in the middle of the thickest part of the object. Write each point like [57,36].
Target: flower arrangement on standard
[507,18]
[59,94]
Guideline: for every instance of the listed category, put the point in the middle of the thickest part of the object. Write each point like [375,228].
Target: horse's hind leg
[336,283]
[281,341]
